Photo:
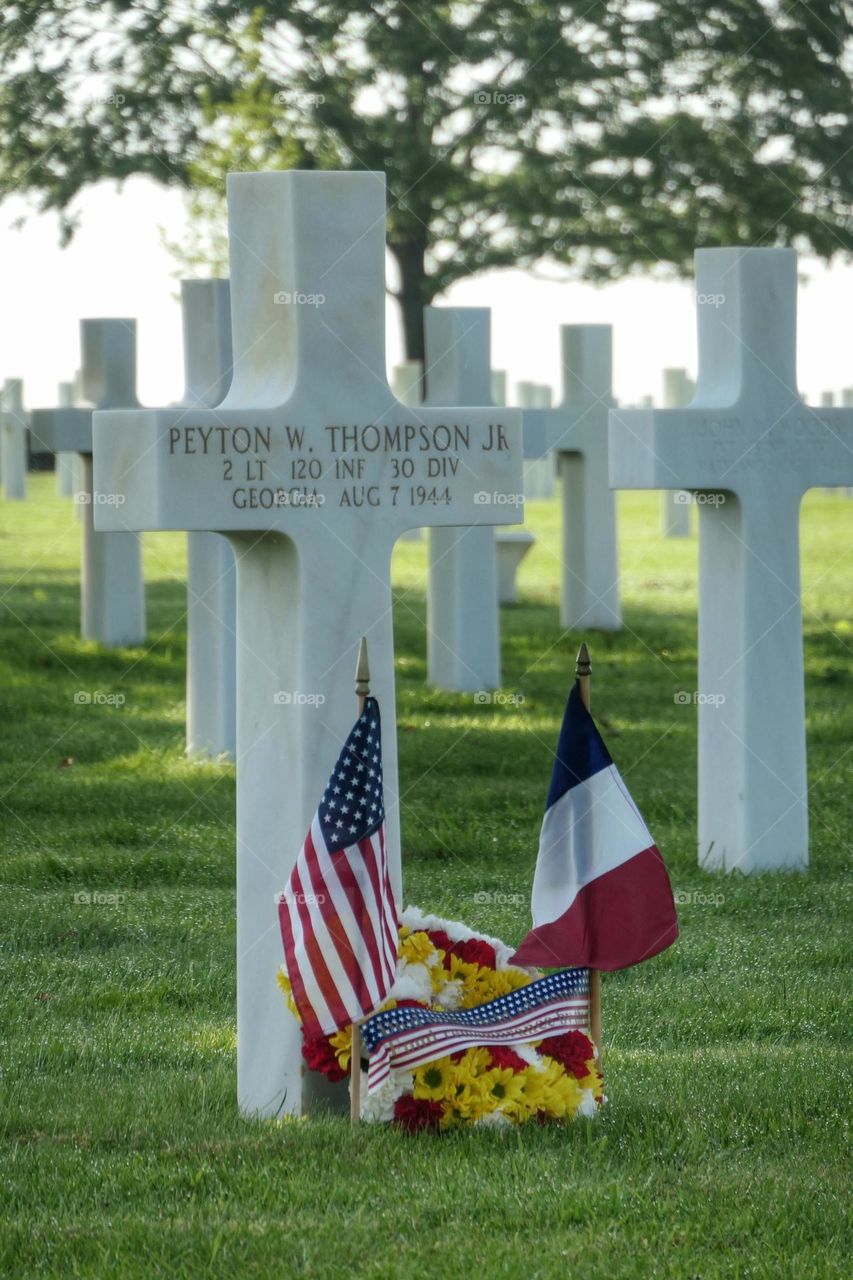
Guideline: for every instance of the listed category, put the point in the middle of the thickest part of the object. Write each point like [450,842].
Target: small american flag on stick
[337,915]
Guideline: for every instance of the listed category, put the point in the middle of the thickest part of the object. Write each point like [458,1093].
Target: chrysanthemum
[341,1042]
[434,1080]
[285,984]
[416,948]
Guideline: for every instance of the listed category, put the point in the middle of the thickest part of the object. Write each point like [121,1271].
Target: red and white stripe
[339,930]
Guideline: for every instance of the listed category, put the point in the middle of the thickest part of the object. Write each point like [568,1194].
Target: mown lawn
[723,1148]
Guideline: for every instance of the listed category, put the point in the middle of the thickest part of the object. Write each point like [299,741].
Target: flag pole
[582,670]
[362,689]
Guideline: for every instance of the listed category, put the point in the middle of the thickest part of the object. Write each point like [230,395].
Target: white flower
[587,1105]
[493,1120]
[529,1054]
[450,995]
[413,982]
[378,1107]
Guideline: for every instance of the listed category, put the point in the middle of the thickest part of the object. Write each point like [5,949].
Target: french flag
[601,892]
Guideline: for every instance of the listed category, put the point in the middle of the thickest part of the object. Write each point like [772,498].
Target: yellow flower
[489,984]
[504,1085]
[593,1080]
[416,948]
[469,1100]
[435,1080]
[473,1063]
[562,1095]
[285,984]
[460,969]
[341,1042]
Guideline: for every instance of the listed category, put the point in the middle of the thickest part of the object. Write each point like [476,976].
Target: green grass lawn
[722,1149]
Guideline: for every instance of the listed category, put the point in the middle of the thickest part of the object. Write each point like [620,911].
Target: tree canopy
[604,136]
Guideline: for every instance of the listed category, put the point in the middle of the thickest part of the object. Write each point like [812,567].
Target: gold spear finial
[583,666]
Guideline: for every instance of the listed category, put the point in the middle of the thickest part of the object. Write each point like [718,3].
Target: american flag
[337,915]
[409,1037]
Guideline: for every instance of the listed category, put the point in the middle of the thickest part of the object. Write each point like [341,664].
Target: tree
[603,135]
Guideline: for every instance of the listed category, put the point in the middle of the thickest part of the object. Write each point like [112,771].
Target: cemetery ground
[721,1151]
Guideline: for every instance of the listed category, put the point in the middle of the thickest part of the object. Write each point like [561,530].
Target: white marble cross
[313,469]
[749,449]
[112,594]
[65,462]
[13,440]
[576,430]
[497,383]
[407,386]
[463,627]
[211,574]
[539,472]
[407,382]
[678,390]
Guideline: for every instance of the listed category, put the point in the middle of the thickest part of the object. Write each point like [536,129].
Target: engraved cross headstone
[313,469]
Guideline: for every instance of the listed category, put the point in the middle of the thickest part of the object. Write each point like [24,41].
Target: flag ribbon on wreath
[408,1036]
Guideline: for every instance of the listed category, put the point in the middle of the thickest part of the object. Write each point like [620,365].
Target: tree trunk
[414,295]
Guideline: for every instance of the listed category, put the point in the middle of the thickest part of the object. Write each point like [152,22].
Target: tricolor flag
[408,1037]
[337,915]
[601,892]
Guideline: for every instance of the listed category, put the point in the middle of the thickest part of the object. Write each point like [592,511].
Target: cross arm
[228,470]
[61,430]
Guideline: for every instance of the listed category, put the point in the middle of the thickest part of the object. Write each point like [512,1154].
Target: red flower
[440,939]
[572,1050]
[473,951]
[413,1114]
[411,1004]
[476,951]
[320,1056]
[504,1057]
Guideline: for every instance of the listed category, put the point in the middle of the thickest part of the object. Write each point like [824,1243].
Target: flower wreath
[443,965]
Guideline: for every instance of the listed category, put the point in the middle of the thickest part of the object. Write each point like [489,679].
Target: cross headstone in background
[847,403]
[13,440]
[112,595]
[678,389]
[750,449]
[463,627]
[407,383]
[539,472]
[511,545]
[313,469]
[576,430]
[211,573]
[65,462]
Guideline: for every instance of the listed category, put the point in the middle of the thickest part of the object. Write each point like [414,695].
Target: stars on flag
[352,805]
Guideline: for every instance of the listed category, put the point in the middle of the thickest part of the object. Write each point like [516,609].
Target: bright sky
[116,266]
